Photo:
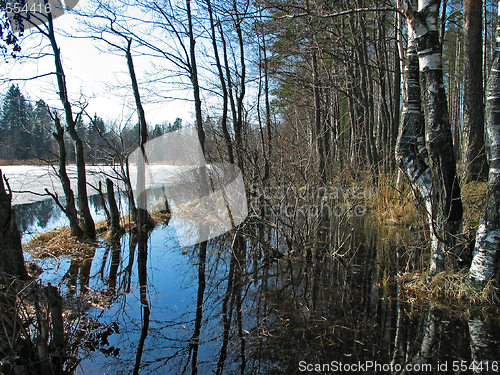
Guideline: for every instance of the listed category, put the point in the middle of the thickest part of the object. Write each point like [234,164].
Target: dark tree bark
[474,157]
[318,120]
[11,252]
[142,258]
[202,283]
[113,209]
[83,204]
[238,126]
[225,99]
[69,209]
[143,217]
[193,71]
[236,90]
[58,342]
[104,206]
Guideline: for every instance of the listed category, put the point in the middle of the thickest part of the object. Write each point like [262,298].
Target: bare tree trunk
[238,127]
[69,209]
[318,129]
[142,258]
[11,253]
[142,203]
[480,343]
[227,137]
[446,201]
[193,70]
[58,343]
[104,206]
[83,204]
[113,208]
[485,257]
[430,339]
[455,96]
[235,100]
[268,111]
[474,157]
[445,207]
[411,153]
[367,94]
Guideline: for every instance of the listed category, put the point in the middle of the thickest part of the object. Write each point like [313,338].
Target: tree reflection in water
[142,258]
[234,305]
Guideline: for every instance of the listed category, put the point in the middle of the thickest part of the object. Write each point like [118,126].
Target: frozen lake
[28,182]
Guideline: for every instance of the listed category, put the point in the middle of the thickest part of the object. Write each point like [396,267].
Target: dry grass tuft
[57,242]
[473,198]
[161,217]
[394,206]
[446,287]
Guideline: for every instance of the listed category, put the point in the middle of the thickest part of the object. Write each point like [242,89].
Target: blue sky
[94,76]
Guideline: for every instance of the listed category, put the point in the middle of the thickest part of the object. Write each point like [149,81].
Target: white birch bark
[486,253]
[411,153]
[480,344]
[432,334]
[446,202]
[437,182]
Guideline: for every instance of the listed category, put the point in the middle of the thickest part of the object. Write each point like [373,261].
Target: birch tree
[441,191]
[411,154]
[485,256]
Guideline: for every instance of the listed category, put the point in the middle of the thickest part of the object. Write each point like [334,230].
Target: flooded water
[149,306]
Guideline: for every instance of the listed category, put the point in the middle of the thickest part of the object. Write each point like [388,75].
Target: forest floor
[452,287]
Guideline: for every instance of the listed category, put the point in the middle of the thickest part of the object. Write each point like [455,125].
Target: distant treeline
[26,132]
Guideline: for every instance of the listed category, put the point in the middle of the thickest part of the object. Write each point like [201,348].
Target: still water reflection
[148,306]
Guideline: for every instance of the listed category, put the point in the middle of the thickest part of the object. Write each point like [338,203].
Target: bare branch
[56,199]
[342,13]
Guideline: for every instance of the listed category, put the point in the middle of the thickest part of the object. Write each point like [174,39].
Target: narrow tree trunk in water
[104,206]
[11,253]
[113,208]
[58,343]
[143,217]
[142,258]
[83,204]
[486,254]
[70,208]
[480,342]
